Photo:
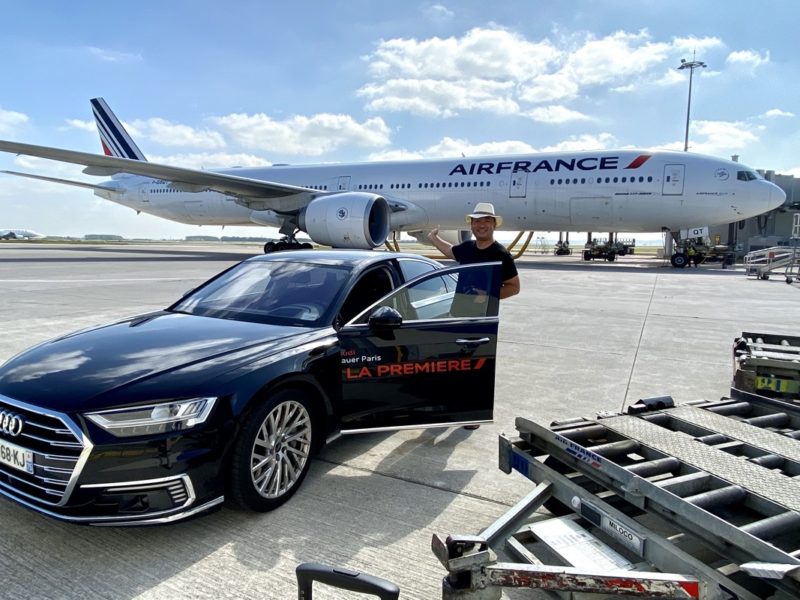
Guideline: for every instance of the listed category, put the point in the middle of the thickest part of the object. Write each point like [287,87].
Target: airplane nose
[775,196]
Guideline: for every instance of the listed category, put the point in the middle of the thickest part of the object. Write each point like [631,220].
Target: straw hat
[484,209]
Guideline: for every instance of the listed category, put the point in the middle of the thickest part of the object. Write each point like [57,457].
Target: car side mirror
[384,318]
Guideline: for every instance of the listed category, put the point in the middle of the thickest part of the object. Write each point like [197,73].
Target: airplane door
[673,180]
[518,185]
[344,183]
[409,361]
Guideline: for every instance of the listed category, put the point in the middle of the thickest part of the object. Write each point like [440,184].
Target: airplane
[19,234]
[357,205]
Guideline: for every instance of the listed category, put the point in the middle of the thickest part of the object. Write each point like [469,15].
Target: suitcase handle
[308,573]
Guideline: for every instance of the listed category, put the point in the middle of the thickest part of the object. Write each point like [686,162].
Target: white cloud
[480,54]
[719,138]
[777,112]
[212,160]
[556,114]
[10,120]
[174,134]
[492,69]
[309,136]
[440,98]
[694,44]
[747,58]
[449,147]
[577,143]
[437,12]
[82,125]
[108,55]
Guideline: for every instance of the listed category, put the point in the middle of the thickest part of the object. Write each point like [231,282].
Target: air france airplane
[358,205]
[19,234]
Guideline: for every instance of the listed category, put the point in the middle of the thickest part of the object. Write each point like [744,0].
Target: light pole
[691,65]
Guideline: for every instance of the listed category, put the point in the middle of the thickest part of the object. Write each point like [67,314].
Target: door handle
[473,342]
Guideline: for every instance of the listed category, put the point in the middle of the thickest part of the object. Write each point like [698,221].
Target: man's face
[482,228]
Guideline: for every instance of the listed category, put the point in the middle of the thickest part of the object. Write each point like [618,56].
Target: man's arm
[510,287]
[444,247]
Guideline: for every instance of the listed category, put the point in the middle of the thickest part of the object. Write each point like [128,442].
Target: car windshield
[273,292]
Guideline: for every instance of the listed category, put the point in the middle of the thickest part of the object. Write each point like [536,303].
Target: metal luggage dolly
[308,573]
[767,364]
[696,501]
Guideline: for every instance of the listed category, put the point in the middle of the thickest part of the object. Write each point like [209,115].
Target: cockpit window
[747,175]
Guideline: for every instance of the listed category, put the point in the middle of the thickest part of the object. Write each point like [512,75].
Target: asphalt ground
[580,338]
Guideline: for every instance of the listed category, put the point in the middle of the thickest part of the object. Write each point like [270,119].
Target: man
[483,248]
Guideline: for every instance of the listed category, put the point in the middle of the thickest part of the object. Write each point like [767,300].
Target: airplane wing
[82,184]
[253,193]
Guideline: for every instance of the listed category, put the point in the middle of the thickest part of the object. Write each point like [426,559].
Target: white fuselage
[626,191]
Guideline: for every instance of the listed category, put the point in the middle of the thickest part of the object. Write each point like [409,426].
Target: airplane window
[381,186]
[608,180]
[488,183]
[649,178]
[583,179]
[746,176]
[624,180]
[552,182]
[559,181]
[616,179]
[566,182]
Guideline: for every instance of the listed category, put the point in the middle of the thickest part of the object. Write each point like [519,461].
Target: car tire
[272,453]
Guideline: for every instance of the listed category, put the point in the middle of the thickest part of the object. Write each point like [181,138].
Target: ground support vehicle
[696,501]
[762,263]
[602,250]
[697,253]
[767,364]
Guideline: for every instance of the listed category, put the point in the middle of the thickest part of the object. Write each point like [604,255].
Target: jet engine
[347,220]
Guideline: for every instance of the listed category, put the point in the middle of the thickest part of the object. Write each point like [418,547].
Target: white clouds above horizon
[301,135]
[747,58]
[10,120]
[492,69]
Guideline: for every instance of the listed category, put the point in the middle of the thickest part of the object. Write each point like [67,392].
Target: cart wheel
[765,276]
[789,280]
[587,255]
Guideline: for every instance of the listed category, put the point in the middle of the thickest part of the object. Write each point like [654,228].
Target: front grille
[57,449]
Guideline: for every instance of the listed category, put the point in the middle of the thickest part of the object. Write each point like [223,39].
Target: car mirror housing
[384,318]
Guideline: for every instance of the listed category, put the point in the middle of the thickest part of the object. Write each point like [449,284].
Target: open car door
[425,354]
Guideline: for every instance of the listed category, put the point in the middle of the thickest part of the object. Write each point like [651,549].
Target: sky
[211,84]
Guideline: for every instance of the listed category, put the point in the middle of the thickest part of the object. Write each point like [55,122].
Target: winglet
[113,137]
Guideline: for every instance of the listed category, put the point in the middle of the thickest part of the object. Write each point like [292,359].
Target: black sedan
[230,391]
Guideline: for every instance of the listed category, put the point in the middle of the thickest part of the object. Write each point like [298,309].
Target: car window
[370,287]
[412,268]
[294,293]
[470,291]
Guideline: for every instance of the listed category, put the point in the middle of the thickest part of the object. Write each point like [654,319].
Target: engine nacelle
[347,220]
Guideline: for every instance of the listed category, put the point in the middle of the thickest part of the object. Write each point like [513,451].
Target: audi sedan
[229,392]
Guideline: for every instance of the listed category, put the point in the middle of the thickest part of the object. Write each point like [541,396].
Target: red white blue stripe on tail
[115,140]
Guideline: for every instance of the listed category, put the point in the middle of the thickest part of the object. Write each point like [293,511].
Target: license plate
[16,457]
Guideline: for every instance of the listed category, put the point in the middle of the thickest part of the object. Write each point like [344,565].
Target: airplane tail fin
[115,140]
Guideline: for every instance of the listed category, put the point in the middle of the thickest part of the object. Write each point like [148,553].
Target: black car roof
[349,258]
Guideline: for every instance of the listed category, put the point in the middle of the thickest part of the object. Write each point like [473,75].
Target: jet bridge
[699,501]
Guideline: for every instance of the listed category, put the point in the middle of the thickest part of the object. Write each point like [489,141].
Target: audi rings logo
[11,423]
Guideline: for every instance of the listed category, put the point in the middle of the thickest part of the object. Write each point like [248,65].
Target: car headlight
[164,417]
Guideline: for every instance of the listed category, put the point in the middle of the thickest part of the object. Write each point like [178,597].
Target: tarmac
[581,337]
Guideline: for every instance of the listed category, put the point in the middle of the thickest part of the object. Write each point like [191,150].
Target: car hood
[66,372]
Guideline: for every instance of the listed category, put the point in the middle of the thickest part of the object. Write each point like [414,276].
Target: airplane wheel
[679,260]
[307,246]
[281,246]
[269,247]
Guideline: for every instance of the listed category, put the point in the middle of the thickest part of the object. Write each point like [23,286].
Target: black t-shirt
[467,253]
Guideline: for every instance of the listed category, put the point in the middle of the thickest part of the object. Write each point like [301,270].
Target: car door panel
[422,369]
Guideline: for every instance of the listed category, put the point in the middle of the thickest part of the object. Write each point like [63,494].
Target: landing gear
[287,243]
[679,260]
